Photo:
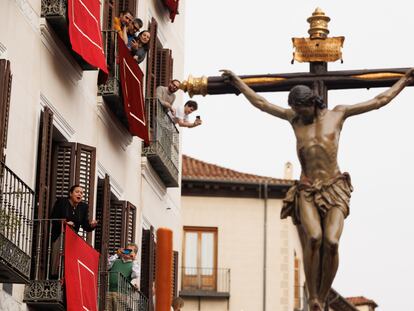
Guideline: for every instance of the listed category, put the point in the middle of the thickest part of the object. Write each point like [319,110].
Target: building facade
[237,254]
[62,125]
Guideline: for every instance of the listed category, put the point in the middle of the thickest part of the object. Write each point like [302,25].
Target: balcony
[16,217]
[163,150]
[111,90]
[56,14]
[121,295]
[46,291]
[205,282]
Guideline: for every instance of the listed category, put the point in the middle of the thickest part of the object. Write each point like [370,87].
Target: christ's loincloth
[335,193]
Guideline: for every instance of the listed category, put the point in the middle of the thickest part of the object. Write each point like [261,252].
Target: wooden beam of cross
[318,50]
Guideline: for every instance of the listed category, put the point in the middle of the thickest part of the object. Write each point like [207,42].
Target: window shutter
[102,235]
[175,275]
[152,61]
[108,14]
[63,169]
[296,283]
[116,221]
[130,219]
[85,172]
[148,264]
[5,90]
[130,5]
[39,251]
[164,66]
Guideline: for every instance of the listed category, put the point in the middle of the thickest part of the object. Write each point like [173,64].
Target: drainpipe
[265,244]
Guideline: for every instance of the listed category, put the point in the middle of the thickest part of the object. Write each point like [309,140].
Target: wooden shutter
[147,264]
[164,66]
[63,169]
[152,61]
[296,283]
[5,90]
[116,219]
[85,172]
[175,275]
[108,14]
[130,220]
[103,200]
[130,5]
[39,251]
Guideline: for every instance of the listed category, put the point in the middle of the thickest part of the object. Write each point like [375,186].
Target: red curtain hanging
[81,273]
[132,79]
[172,6]
[85,31]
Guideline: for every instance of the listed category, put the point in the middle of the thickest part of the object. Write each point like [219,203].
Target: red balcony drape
[81,273]
[132,79]
[85,31]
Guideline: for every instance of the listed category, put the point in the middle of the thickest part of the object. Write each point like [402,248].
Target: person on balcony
[122,263]
[120,24]
[181,115]
[166,96]
[133,31]
[140,46]
[75,213]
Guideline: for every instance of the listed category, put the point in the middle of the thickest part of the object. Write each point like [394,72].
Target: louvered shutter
[147,264]
[85,172]
[108,14]
[130,5]
[5,90]
[129,225]
[164,66]
[102,234]
[175,275]
[116,231]
[63,169]
[39,251]
[152,61]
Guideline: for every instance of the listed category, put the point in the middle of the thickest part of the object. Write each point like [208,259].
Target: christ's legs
[333,225]
[311,224]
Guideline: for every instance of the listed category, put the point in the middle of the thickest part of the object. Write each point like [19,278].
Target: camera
[126,251]
[198,117]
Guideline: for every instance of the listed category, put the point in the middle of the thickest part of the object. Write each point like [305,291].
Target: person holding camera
[181,115]
[122,265]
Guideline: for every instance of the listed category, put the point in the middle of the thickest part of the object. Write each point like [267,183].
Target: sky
[377,148]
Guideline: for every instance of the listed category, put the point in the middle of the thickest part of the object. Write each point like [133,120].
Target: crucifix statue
[319,202]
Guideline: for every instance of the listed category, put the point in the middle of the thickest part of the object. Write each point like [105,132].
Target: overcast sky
[254,37]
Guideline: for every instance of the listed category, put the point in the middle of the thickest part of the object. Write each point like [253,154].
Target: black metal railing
[163,150]
[46,290]
[110,90]
[121,295]
[205,280]
[16,216]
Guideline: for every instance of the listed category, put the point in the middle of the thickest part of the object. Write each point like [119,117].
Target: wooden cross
[318,50]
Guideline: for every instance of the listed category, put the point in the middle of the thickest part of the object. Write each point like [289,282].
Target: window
[297,287]
[200,258]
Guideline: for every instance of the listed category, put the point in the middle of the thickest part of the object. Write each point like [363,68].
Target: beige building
[58,128]
[237,253]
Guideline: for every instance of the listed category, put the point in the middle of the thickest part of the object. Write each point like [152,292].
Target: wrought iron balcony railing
[163,151]
[121,295]
[205,282]
[16,216]
[46,291]
[56,14]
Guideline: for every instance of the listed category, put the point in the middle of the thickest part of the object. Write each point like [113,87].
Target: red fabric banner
[81,273]
[172,6]
[131,83]
[85,31]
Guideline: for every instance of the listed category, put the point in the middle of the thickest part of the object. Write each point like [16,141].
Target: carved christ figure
[319,201]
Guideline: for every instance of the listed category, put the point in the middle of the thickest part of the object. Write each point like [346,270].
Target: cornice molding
[3,51]
[115,186]
[51,41]
[58,120]
[29,13]
[124,138]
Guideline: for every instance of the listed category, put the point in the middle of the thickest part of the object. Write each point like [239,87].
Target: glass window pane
[207,253]
[191,253]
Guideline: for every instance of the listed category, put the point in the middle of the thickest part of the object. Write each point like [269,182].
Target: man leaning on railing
[122,263]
